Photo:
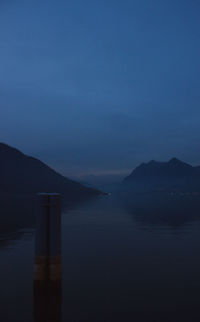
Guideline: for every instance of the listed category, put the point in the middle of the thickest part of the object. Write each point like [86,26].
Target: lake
[122,260]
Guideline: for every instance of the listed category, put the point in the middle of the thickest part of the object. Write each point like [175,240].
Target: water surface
[122,261]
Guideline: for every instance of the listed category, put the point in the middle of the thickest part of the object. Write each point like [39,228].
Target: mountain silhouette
[20,173]
[173,174]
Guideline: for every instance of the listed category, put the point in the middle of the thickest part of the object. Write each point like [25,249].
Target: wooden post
[48,238]
[47,302]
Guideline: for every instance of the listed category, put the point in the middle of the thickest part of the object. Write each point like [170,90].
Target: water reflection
[17,215]
[161,209]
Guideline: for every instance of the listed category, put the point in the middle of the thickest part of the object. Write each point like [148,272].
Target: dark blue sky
[100,86]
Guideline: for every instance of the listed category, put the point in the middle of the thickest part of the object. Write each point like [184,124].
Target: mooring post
[48,238]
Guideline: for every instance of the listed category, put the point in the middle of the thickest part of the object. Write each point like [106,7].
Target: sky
[100,86]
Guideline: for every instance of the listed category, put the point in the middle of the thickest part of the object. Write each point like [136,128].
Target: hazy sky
[100,86]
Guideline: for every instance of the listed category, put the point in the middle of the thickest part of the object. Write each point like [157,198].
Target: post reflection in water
[47,301]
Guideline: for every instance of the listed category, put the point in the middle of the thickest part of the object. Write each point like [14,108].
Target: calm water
[122,261]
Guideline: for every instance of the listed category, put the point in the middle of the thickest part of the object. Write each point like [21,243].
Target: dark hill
[20,173]
[171,175]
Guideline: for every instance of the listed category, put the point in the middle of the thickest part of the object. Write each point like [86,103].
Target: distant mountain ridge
[173,174]
[20,173]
